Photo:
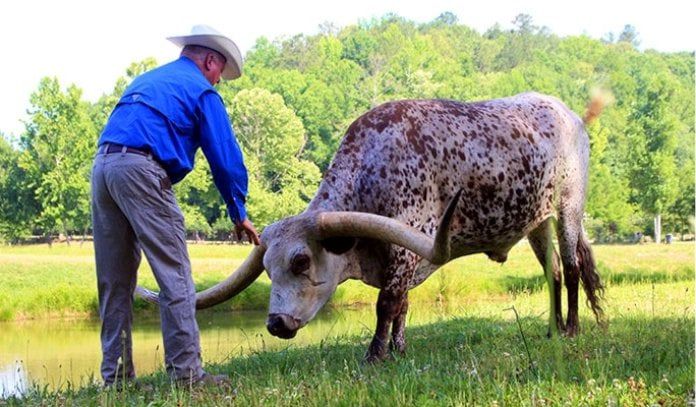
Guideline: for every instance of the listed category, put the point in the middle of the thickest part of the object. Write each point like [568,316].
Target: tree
[18,206]
[611,214]
[522,43]
[629,35]
[195,221]
[199,199]
[447,18]
[652,138]
[329,79]
[57,150]
[272,138]
[680,215]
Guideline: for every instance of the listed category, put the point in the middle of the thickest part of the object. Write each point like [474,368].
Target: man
[149,144]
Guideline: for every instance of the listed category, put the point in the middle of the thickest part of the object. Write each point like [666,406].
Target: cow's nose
[282,326]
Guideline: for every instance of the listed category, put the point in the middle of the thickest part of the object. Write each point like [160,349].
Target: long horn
[246,274]
[359,224]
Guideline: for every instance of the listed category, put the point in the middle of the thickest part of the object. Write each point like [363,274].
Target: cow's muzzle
[282,325]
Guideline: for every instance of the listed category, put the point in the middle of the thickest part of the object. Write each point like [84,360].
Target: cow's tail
[594,290]
[598,101]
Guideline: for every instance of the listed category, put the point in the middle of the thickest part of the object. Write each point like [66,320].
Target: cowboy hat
[206,36]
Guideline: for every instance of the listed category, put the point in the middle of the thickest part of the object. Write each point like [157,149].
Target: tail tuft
[594,290]
[599,100]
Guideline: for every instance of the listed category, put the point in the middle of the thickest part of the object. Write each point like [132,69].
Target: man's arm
[226,162]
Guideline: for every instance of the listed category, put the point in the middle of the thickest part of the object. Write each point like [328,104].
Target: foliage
[272,138]
[18,206]
[299,94]
[56,155]
[652,138]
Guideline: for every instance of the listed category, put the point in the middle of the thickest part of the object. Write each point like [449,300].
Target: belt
[109,148]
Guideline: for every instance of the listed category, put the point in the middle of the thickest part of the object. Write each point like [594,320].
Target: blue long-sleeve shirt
[171,111]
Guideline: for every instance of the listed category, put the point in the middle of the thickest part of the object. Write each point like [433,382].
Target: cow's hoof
[571,331]
[372,358]
[561,331]
[397,347]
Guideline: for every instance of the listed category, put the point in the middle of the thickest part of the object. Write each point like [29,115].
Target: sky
[91,43]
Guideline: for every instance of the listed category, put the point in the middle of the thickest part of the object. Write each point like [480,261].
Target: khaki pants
[134,209]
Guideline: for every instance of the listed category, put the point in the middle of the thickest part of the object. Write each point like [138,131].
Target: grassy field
[475,354]
[40,282]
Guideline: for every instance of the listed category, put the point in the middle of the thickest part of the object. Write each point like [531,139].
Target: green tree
[272,138]
[629,35]
[652,139]
[680,215]
[199,199]
[612,216]
[18,206]
[57,148]
[329,79]
[523,43]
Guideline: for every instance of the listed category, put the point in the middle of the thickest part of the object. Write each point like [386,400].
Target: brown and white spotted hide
[519,160]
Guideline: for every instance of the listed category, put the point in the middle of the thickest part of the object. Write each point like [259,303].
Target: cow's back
[406,159]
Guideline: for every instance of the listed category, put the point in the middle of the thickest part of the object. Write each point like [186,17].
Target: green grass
[478,357]
[473,354]
[43,282]
[40,282]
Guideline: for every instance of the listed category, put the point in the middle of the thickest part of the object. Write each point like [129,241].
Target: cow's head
[305,268]
[305,256]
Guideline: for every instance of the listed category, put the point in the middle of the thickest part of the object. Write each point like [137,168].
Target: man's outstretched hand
[248,228]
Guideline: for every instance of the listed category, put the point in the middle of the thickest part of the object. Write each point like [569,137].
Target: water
[58,354]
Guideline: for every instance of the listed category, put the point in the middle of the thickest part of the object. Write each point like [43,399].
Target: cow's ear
[338,245]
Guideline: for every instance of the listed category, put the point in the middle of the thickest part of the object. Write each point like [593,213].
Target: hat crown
[207,36]
[202,29]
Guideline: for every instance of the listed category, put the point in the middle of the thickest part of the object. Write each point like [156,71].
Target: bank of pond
[465,344]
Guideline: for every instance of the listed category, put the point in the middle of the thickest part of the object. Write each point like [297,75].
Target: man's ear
[338,245]
[209,61]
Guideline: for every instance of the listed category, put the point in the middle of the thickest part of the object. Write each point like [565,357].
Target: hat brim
[219,43]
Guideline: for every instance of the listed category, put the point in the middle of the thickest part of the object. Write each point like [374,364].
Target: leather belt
[110,148]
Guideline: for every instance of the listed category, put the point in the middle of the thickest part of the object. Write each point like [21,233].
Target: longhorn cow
[415,183]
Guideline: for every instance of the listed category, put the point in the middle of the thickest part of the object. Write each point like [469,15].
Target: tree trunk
[84,236]
[658,228]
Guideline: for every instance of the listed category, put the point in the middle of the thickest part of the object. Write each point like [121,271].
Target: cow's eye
[299,264]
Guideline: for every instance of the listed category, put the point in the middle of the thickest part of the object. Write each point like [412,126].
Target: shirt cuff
[237,212]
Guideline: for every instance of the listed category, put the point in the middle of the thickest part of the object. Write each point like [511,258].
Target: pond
[58,354]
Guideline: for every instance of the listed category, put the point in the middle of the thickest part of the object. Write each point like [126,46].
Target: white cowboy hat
[209,37]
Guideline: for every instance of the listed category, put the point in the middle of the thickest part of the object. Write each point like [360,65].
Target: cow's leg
[398,340]
[576,253]
[569,228]
[389,305]
[542,244]
[392,304]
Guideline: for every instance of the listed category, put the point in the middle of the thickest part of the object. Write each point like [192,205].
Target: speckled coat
[519,160]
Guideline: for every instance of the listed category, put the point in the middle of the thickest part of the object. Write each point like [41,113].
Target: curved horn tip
[247,273]
[441,247]
[147,295]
